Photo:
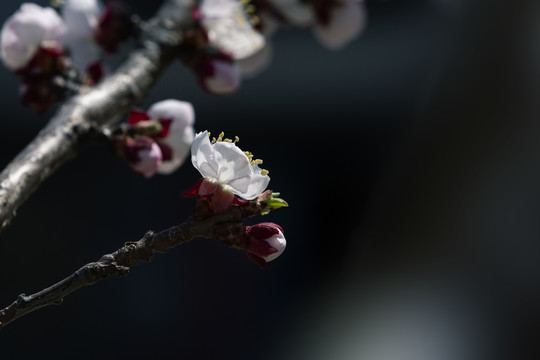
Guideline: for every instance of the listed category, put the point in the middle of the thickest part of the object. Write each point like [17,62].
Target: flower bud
[40,91]
[340,24]
[264,242]
[175,120]
[218,74]
[143,155]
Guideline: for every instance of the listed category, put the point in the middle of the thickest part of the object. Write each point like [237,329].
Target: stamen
[236,139]
[220,137]
[57,3]
[213,140]
[257,162]
[264,172]
[250,8]
[227,140]
[245,2]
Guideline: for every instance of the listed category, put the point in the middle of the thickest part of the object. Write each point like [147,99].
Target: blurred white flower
[25,31]
[229,28]
[82,19]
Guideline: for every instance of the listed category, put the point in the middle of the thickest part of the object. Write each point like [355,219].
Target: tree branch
[81,115]
[119,262]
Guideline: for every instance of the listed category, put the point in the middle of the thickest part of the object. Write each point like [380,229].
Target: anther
[264,172]
[213,140]
[220,137]
[236,139]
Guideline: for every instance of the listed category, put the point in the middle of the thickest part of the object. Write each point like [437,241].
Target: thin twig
[119,262]
[81,115]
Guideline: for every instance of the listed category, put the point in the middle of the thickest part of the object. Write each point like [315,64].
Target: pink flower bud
[219,75]
[340,24]
[143,154]
[39,92]
[265,242]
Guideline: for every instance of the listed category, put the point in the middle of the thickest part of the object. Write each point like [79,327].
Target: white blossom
[225,164]
[179,134]
[23,33]
[82,19]
[229,29]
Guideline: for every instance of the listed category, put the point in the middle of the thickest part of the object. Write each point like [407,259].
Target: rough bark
[80,116]
[120,261]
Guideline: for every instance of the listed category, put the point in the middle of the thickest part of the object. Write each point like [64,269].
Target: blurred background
[411,163]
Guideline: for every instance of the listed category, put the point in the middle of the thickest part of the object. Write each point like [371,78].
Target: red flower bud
[264,242]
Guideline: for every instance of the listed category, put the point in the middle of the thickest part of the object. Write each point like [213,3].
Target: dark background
[411,163]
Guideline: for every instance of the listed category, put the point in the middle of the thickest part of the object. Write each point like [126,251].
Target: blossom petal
[228,28]
[233,163]
[225,79]
[203,156]
[81,17]
[181,112]
[256,63]
[180,144]
[251,186]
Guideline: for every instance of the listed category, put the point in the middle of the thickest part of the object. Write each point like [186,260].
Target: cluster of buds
[232,177]
[156,140]
[55,53]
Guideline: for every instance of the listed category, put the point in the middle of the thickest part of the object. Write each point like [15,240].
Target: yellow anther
[57,3]
[236,139]
[220,137]
[250,8]
[213,140]
[257,162]
[209,134]
[227,140]
[264,172]
[255,20]
[245,2]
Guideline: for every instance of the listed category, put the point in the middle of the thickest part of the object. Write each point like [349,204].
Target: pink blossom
[25,31]
[218,75]
[176,118]
[143,154]
[339,24]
